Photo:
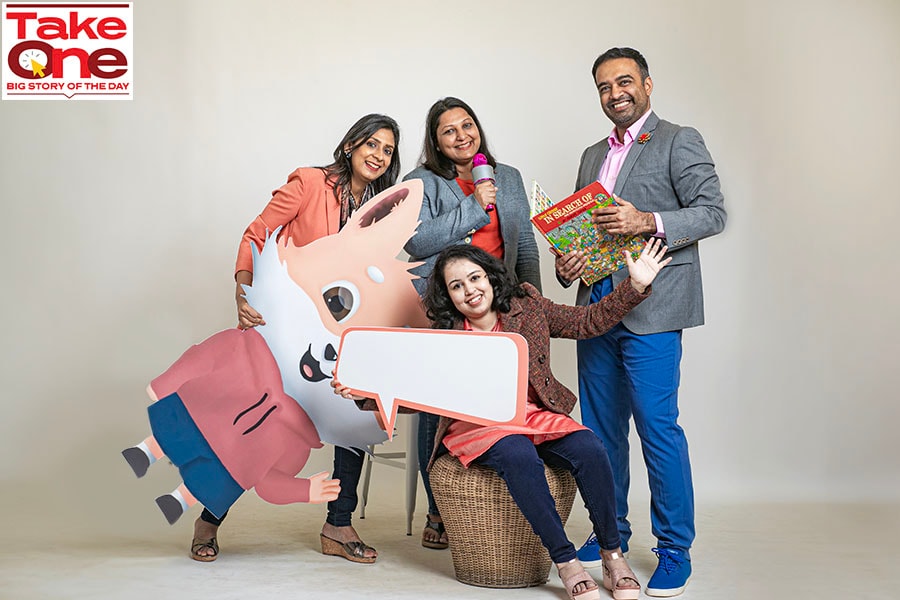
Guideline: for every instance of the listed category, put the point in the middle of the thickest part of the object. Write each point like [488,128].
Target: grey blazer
[450,217]
[672,174]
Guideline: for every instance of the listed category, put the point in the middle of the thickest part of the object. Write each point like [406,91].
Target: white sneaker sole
[667,593]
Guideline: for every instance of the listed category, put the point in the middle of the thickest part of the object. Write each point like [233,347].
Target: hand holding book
[570,227]
[622,218]
[570,265]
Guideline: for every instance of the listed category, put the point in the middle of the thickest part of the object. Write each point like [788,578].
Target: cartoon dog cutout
[244,408]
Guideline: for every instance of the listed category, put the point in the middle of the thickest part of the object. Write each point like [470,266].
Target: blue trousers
[201,470]
[521,465]
[623,375]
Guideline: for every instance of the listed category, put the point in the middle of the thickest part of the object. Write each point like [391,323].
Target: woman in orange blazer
[315,202]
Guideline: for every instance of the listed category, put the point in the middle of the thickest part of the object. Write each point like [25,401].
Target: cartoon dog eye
[342,299]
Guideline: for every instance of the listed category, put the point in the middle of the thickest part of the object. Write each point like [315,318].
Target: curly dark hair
[432,159]
[438,305]
[339,171]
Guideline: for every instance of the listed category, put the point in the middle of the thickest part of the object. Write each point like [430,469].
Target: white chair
[408,460]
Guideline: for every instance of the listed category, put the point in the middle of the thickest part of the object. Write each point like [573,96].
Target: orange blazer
[305,208]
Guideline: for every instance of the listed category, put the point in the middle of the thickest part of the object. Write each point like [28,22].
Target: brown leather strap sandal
[198,544]
[354,551]
[434,535]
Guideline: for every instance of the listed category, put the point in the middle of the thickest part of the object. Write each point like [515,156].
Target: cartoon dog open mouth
[309,366]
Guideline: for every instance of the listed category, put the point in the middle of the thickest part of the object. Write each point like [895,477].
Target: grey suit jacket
[450,217]
[672,174]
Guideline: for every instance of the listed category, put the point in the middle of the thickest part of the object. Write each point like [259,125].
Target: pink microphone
[482,171]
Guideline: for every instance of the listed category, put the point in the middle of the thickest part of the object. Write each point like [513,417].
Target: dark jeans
[521,465]
[347,469]
[428,424]
[348,466]
[211,518]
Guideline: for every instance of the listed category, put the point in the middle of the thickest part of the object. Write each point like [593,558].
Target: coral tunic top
[467,441]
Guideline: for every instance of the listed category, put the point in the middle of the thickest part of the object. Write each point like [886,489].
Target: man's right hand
[569,266]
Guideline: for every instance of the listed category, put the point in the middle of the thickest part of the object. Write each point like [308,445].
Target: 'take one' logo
[82,49]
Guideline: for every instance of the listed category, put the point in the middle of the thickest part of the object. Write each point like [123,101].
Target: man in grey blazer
[665,185]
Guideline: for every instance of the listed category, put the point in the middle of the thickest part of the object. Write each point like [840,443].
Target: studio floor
[743,551]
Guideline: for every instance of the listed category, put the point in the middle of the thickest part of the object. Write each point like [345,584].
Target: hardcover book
[540,201]
[567,226]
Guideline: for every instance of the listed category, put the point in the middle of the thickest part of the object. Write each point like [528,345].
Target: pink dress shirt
[615,158]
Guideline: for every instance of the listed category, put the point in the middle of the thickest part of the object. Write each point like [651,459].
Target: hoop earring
[347,154]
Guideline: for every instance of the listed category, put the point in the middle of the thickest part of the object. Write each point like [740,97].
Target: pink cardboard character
[243,408]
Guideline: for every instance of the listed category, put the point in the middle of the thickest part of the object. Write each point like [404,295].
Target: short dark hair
[438,305]
[340,171]
[631,53]
[431,158]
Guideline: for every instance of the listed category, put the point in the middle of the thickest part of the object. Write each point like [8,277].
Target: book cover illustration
[540,201]
[567,226]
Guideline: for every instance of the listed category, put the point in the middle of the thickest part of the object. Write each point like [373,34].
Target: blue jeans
[348,466]
[521,465]
[428,424]
[622,374]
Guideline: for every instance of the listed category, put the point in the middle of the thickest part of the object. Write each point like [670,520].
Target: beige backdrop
[122,219]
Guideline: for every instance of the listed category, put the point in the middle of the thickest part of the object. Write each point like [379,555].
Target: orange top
[305,208]
[487,238]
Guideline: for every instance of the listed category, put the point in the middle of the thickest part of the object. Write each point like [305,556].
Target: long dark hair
[339,172]
[439,308]
[431,158]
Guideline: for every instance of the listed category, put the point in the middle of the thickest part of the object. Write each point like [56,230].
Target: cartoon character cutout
[244,408]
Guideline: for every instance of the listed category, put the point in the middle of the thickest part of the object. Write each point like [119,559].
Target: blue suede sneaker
[589,553]
[672,573]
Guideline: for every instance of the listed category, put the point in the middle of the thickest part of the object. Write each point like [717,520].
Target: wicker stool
[491,543]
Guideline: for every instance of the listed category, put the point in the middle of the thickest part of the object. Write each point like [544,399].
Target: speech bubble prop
[474,376]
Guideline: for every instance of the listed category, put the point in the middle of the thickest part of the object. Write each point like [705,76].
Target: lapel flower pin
[644,138]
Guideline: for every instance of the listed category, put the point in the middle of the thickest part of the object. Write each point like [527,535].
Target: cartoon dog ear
[392,215]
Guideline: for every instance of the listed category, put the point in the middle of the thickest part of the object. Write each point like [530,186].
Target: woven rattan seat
[491,543]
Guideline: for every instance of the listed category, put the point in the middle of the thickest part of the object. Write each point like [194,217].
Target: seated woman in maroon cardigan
[471,290]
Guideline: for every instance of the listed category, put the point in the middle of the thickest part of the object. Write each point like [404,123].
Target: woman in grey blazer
[493,215]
